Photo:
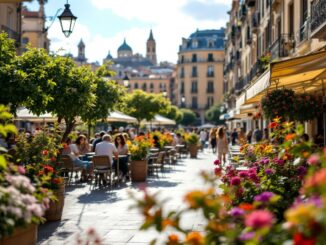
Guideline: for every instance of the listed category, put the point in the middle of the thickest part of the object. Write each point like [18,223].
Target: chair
[103,170]
[158,163]
[67,167]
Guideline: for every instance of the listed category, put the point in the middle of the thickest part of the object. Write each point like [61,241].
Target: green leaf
[3,163]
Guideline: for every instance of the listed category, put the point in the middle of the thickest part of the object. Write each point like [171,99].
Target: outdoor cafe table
[154,150]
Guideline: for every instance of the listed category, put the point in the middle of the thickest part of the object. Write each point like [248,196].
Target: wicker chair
[103,170]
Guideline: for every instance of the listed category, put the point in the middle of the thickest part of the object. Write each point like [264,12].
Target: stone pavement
[108,211]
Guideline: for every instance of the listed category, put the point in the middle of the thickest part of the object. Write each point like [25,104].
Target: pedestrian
[234,137]
[241,136]
[249,136]
[266,134]
[222,145]
[212,139]
[203,138]
[258,135]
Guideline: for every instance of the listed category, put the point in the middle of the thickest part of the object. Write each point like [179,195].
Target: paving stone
[108,211]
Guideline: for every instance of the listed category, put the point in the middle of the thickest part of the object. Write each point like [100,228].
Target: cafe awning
[302,74]
[25,115]
[160,120]
[117,116]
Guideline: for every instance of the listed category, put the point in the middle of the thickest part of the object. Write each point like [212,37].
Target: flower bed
[279,197]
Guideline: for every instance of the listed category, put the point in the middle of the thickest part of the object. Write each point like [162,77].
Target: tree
[189,117]
[142,105]
[213,114]
[174,114]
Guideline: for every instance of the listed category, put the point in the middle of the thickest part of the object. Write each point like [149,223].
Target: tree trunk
[69,127]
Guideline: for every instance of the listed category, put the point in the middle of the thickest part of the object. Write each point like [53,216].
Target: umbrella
[160,120]
[25,115]
[207,125]
[117,116]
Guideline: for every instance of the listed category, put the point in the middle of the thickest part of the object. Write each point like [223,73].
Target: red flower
[217,162]
[56,181]
[299,239]
[218,171]
[40,173]
[53,159]
[48,169]
[273,125]
[45,152]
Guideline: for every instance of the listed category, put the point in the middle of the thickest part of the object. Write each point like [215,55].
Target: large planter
[193,150]
[54,212]
[25,235]
[138,170]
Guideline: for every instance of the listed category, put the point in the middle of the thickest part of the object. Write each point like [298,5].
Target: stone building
[200,71]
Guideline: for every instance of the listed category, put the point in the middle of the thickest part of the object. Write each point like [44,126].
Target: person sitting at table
[106,148]
[71,150]
[82,145]
[98,140]
[122,148]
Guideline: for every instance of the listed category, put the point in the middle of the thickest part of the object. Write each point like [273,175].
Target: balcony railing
[210,74]
[282,46]
[11,34]
[318,18]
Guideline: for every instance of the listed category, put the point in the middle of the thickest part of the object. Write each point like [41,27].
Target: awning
[160,120]
[117,116]
[301,74]
[240,100]
[25,115]
[225,116]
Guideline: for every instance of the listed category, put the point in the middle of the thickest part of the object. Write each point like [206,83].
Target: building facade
[200,71]
[260,32]
[34,31]
[11,20]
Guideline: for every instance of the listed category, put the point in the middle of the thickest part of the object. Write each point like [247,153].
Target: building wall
[205,98]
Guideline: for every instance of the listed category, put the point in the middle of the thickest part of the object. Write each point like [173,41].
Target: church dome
[124,47]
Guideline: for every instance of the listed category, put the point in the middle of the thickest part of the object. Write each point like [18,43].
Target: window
[211,44]
[194,71]
[304,11]
[291,20]
[210,101]
[182,59]
[210,71]
[148,49]
[194,43]
[194,103]
[25,40]
[145,87]
[153,49]
[136,86]
[210,58]
[182,88]
[182,73]
[210,87]
[194,58]
[194,87]
[151,86]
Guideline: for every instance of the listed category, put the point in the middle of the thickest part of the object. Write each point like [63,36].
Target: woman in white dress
[222,145]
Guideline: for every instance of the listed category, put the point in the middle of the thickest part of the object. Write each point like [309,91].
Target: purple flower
[253,170]
[302,170]
[264,197]
[247,236]
[264,161]
[235,180]
[269,171]
[236,212]
[279,161]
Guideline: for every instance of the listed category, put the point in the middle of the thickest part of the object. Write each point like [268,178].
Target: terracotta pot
[25,235]
[138,170]
[193,150]
[54,212]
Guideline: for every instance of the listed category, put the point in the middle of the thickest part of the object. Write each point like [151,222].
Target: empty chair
[103,170]
[67,167]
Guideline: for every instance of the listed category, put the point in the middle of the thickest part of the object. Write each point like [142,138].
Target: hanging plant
[279,103]
[307,107]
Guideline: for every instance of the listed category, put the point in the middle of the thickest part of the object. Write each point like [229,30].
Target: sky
[103,24]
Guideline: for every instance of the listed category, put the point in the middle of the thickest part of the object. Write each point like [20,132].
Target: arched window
[145,87]
[136,86]
[151,86]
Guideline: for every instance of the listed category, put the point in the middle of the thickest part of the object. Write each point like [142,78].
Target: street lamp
[67,20]
[126,81]
[183,100]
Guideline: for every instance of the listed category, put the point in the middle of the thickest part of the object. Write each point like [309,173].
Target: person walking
[203,138]
[234,137]
[222,145]
[212,139]
[249,136]
[258,134]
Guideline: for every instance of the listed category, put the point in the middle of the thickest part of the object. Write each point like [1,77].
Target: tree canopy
[189,117]
[174,114]
[213,114]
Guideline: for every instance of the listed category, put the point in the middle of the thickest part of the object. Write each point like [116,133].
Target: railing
[318,14]
[282,46]
[11,34]
[186,61]
[210,74]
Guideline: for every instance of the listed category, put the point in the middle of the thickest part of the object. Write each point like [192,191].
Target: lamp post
[183,100]
[67,20]
[126,81]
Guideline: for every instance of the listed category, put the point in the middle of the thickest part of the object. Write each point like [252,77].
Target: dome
[124,47]
[109,56]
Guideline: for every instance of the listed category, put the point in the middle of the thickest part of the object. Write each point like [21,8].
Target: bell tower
[151,49]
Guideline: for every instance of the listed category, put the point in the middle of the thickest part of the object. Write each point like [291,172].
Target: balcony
[318,19]
[250,3]
[11,34]
[210,74]
[282,47]
[255,22]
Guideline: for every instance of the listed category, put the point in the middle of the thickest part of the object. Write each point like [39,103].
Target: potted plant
[39,155]
[22,204]
[138,150]
[192,141]
[307,107]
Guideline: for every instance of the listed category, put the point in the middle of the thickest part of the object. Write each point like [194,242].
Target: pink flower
[218,171]
[313,159]
[235,180]
[217,162]
[21,170]
[243,174]
[259,219]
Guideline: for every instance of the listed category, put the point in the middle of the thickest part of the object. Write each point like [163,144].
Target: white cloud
[165,17]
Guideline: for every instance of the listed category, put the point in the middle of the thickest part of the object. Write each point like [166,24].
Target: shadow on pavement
[98,196]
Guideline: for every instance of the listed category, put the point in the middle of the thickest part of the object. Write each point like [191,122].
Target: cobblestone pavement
[108,210]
